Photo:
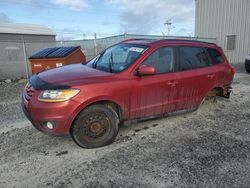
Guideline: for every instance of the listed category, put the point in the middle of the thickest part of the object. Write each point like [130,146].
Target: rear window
[193,57]
[216,57]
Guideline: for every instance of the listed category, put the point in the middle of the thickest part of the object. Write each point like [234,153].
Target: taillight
[233,70]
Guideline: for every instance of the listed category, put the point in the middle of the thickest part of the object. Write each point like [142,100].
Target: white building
[25,32]
[229,22]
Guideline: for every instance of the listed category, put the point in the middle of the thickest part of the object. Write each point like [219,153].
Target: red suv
[134,79]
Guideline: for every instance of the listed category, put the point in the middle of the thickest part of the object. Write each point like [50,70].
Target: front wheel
[95,126]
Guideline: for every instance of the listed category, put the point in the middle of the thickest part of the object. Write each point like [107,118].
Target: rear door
[222,69]
[196,76]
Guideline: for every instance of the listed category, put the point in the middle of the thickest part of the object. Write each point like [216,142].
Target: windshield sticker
[136,49]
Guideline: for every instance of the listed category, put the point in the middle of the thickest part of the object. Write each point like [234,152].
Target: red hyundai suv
[134,79]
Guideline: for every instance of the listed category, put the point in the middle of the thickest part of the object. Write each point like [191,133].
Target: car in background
[247,63]
[134,79]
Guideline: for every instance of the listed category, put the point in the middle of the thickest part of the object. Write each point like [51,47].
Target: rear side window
[216,57]
[193,58]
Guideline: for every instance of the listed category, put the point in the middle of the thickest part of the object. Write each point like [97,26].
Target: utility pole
[95,45]
[168,24]
[25,58]
[83,36]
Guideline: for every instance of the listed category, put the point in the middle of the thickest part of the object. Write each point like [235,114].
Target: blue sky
[76,19]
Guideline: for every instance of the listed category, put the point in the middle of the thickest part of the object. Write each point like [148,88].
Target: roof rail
[187,40]
[127,40]
[162,40]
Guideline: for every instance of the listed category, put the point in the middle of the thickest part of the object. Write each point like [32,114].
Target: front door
[156,94]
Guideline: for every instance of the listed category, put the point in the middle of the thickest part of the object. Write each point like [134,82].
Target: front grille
[28,92]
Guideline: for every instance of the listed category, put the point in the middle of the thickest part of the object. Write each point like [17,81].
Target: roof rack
[137,39]
[187,40]
[162,40]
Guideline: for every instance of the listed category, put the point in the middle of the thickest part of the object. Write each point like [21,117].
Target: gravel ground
[206,148]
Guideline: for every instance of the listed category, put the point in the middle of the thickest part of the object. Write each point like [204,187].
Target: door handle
[210,76]
[172,83]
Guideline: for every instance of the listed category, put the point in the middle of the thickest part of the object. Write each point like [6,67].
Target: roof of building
[25,29]
[58,52]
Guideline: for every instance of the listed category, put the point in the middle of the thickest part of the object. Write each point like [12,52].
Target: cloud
[4,18]
[65,34]
[147,16]
[28,3]
[77,5]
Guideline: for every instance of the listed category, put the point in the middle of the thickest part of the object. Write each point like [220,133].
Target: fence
[14,55]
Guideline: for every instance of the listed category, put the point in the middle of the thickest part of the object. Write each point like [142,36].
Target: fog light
[49,125]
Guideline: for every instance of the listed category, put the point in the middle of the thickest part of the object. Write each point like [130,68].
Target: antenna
[169,23]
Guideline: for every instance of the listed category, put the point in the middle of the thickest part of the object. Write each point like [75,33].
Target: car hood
[70,73]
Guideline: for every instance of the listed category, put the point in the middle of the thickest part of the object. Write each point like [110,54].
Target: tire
[95,126]
[248,71]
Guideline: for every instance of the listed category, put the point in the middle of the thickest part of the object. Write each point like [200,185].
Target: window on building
[193,57]
[231,42]
[162,59]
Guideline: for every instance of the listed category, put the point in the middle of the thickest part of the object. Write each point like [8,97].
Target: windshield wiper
[97,59]
[111,62]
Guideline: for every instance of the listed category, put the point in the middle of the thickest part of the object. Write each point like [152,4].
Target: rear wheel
[248,71]
[95,126]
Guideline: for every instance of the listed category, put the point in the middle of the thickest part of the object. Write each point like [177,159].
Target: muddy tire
[95,126]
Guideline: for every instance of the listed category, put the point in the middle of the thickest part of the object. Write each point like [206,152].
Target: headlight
[57,95]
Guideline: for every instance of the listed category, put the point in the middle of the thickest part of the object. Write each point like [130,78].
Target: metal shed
[229,22]
[56,57]
[26,32]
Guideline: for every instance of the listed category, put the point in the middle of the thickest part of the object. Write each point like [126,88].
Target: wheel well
[218,91]
[112,105]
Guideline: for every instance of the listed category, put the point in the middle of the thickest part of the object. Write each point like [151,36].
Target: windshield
[117,58]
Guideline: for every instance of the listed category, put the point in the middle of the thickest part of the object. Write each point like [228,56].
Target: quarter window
[193,57]
[162,59]
[216,57]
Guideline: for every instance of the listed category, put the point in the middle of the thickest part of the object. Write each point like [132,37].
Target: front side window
[193,57]
[117,58]
[162,59]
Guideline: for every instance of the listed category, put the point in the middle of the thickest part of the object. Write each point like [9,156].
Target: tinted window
[215,56]
[162,59]
[193,57]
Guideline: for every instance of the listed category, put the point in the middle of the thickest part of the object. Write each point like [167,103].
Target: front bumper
[60,113]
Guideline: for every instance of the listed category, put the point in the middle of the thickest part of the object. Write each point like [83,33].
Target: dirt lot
[207,148]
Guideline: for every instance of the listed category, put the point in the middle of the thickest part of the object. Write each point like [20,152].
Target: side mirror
[146,70]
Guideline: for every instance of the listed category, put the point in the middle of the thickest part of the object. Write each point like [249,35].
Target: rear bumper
[227,91]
